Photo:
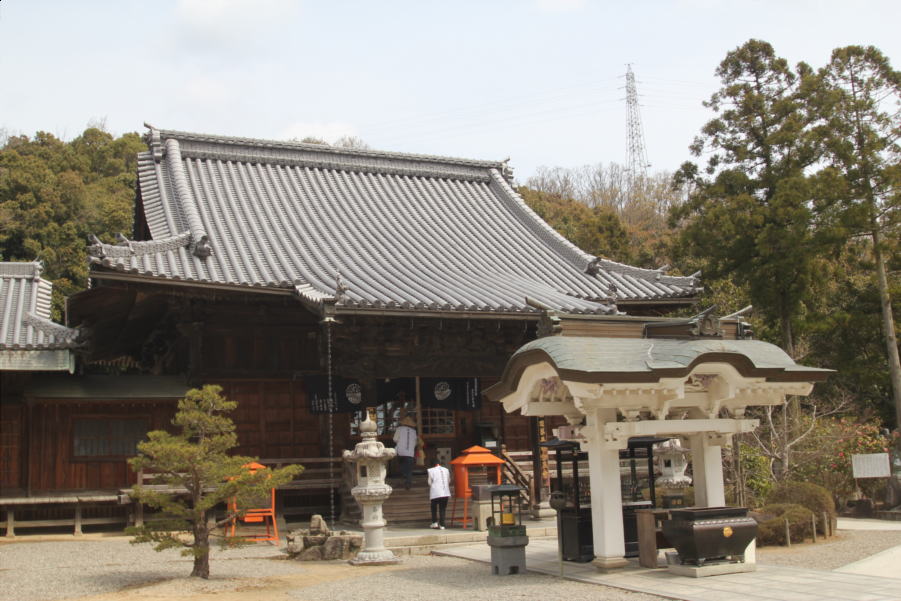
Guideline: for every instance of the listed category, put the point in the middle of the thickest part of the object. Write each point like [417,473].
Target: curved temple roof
[601,360]
[25,311]
[363,229]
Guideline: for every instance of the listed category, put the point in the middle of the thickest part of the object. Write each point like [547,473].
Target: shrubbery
[812,497]
[771,523]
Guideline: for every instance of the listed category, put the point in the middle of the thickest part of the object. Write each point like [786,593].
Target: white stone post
[370,457]
[707,469]
[606,493]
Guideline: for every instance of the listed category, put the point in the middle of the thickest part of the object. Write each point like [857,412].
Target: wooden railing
[316,472]
[515,474]
[315,476]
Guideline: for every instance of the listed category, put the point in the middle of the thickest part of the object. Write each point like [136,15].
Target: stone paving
[768,583]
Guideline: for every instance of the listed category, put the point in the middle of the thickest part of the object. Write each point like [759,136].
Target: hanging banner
[348,395]
[461,394]
[396,390]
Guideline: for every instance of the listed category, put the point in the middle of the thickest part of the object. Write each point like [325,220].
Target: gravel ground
[43,571]
[847,547]
[111,568]
[46,571]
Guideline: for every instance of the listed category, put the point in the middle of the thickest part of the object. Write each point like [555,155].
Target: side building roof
[29,339]
[362,229]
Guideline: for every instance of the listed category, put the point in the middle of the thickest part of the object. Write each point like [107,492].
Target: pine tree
[197,462]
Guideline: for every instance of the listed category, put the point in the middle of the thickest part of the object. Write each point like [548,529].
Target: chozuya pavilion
[614,378]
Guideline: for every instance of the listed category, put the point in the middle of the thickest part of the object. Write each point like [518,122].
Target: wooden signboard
[872,465]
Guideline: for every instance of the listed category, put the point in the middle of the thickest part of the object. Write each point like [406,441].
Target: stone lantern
[371,457]
[673,463]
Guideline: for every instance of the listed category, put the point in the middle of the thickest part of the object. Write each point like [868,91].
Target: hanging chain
[331,423]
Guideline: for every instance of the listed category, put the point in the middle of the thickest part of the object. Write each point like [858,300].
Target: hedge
[771,523]
[811,496]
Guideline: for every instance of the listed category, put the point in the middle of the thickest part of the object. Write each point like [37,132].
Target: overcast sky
[539,81]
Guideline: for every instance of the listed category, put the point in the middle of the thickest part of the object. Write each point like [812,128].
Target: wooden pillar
[194,332]
[646,521]
[29,440]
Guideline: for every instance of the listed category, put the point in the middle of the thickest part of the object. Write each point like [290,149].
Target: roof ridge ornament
[96,247]
[707,323]
[121,240]
[340,289]
[154,141]
[507,171]
[740,313]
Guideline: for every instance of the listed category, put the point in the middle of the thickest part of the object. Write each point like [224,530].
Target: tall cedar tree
[749,215]
[197,461]
[859,100]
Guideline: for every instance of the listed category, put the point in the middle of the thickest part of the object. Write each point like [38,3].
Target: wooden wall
[12,425]
[51,465]
[273,420]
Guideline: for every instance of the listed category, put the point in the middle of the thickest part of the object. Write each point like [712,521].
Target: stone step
[403,507]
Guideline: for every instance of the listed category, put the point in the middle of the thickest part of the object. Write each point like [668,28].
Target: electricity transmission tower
[637,159]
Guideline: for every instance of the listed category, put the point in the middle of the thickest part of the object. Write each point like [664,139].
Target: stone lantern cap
[369,447]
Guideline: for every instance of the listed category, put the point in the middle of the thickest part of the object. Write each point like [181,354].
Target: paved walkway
[405,540]
[867,524]
[768,583]
[886,564]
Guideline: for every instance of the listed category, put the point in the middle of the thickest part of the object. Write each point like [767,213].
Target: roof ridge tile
[185,199]
[161,134]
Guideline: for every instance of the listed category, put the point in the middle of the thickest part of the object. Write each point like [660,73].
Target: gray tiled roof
[405,232]
[25,311]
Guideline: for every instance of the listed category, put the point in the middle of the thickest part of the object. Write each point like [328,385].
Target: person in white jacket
[439,493]
[405,441]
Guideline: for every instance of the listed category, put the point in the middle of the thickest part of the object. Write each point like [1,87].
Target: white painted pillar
[707,470]
[606,495]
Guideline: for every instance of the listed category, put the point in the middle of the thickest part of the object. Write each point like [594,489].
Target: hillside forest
[789,201]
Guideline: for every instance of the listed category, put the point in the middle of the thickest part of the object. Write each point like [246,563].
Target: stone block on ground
[315,540]
[318,543]
[318,525]
[311,554]
[342,547]
[295,545]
